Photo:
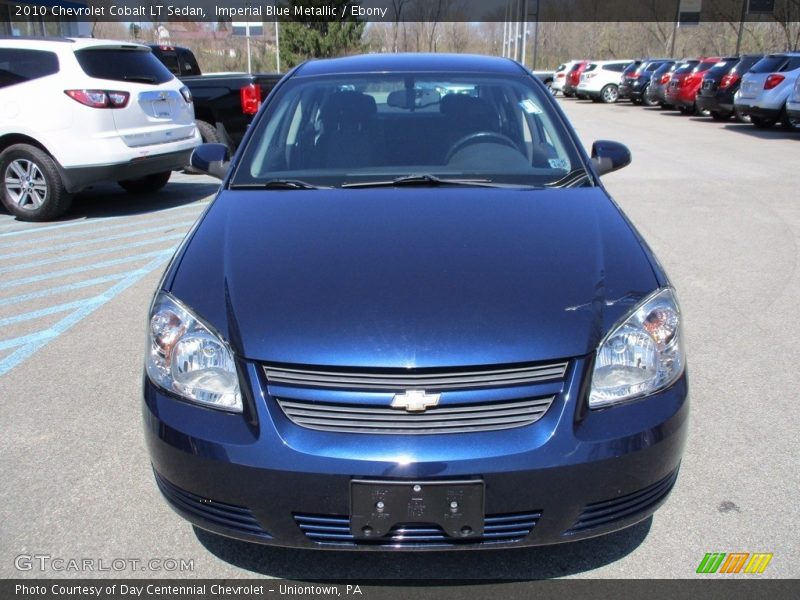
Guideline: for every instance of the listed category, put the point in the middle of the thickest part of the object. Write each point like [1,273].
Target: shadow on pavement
[773,133]
[542,562]
[110,200]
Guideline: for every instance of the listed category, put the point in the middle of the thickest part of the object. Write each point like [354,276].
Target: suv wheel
[609,93]
[146,184]
[32,188]
[790,124]
[741,117]
[762,123]
[647,99]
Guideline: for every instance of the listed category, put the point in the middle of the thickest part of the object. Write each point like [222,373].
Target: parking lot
[718,202]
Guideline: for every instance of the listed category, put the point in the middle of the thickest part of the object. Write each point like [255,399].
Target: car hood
[410,277]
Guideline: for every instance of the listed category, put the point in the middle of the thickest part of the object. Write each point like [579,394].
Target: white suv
[75,112]
[766,88]
[600,80]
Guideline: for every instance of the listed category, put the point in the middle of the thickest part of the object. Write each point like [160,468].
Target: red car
[574,78]
[685,83]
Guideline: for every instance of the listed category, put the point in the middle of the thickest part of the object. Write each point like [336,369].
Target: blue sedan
[413,318]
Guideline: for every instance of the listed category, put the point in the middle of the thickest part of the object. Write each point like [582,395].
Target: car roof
[55,43]
[375,63]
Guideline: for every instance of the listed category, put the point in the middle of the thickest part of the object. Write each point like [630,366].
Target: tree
[304,37]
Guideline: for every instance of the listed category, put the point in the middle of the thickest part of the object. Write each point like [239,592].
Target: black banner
[247,589]
[389,11]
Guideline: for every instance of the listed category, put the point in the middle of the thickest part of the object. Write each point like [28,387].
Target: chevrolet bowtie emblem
[415,400]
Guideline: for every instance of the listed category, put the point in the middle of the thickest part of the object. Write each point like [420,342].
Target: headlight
[187,358]
[641,355]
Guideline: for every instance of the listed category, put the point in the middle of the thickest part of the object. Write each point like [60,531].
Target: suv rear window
[18,65]
[123,64]
[769,64]
[686,67]
[744,65]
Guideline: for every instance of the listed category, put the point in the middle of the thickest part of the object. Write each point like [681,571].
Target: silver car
[793,107]
[765,89]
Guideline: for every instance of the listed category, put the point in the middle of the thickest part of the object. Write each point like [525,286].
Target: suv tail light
[250,96]
[728,80]
[187,94]
[99,98]
[665,78]
[773,80]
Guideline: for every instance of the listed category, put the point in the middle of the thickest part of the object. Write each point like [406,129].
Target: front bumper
[573,474]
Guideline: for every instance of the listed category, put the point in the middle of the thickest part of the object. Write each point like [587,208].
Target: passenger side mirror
[212,159]
[609,156]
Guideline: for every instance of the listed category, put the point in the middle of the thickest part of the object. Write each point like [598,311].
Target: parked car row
[757,89]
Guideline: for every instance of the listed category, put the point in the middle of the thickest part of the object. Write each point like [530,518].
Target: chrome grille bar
[461,418]
[387,381]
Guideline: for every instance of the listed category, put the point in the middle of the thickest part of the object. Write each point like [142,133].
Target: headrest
[348,106]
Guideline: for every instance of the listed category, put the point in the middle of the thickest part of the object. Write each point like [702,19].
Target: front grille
[456,418]
[497,529]
[602,513]
[401,379]
[227,516]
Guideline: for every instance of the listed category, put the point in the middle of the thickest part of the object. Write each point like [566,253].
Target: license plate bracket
[377,506]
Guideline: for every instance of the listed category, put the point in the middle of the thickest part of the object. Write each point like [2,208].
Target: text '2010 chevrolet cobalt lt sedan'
[414,318]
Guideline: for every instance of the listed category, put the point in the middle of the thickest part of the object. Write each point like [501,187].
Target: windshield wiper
[571,179]
[140,78]
[276,184]
[422,180]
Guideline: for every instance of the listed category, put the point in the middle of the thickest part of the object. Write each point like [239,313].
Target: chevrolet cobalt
[413,318]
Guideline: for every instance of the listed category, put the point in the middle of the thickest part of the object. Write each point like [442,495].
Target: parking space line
[90,267]
[50,310]
[63,288]
[80,243]
[106,250]
[37,341]
[94,221]
[70,234]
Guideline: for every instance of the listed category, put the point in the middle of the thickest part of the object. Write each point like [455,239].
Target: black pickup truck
[224,103]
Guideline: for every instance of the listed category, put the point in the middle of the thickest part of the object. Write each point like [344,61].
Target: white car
[76,112]
[560,76]
[600,80]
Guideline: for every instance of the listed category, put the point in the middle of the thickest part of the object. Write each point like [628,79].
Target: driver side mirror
[212,159]
[609,156]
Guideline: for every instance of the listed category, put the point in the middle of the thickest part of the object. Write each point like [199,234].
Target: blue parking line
[38,341]
[81,243]
[17,243]
[63,288]
[89,267]
[50,310]
[94,221]
[80,255]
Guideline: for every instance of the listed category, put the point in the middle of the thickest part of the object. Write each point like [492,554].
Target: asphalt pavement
[718,202]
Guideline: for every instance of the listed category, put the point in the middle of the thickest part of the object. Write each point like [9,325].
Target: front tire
[147,184]
[32,186]
[609,94]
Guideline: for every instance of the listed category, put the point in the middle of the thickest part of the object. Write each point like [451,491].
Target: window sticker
[558,163]
[529,106]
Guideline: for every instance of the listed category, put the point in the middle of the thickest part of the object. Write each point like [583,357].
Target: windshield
[360,128]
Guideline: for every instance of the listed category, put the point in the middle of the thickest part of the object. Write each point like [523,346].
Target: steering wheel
[480,137]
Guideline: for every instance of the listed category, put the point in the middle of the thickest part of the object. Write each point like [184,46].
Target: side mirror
[609,156]
[212,159]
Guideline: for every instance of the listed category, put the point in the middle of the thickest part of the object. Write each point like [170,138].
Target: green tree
[304,37]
